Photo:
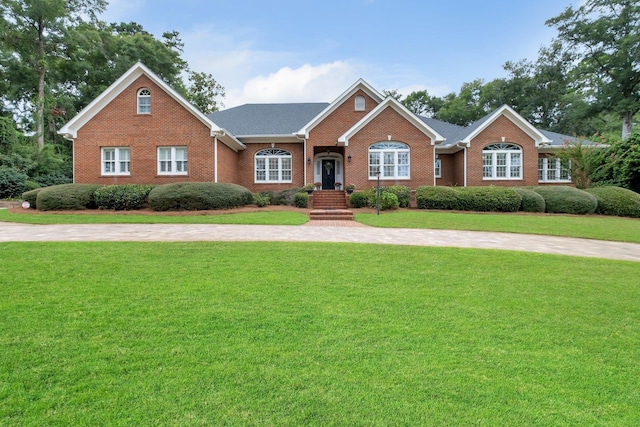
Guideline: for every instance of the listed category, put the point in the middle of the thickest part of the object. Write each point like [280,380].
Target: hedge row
[122,197]
[616,201]
[67,197]
[198,196]
[188,196]
[482,199]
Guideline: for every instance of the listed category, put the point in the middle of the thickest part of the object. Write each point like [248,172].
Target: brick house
[140,130]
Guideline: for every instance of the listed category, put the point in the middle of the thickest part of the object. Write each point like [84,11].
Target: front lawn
[264,217]
[314,334]
[588,227]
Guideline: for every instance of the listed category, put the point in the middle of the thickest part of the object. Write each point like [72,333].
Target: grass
[314,334]
[258,218]
[589,227]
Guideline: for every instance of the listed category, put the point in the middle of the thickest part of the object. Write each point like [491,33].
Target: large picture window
[391,159]
[273,165]
[144,101]
[172,160]
[502,161]
[551,169]
[116,161]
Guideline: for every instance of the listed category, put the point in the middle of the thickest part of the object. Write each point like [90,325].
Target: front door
[328,174]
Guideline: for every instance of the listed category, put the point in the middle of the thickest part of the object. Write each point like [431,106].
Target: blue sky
[297,51]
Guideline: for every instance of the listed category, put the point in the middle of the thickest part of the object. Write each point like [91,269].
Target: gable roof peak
[475,128]
[360,84]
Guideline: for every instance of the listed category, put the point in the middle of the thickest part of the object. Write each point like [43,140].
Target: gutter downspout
[464,145]
[215,158]
[304,158]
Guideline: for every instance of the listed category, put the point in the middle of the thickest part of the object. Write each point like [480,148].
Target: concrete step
[331,214]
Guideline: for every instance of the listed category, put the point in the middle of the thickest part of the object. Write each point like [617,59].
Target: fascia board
[517,119]
[360,84]
[253,139]
[436,138]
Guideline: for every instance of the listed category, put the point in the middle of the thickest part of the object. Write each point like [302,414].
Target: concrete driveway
[318,232]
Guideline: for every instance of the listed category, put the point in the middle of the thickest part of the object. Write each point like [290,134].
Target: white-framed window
[391,159]
[172,160]
[552,169]
[437,168]
[273,165]
[359,103]
[144,101]
[502,161]
[116,161]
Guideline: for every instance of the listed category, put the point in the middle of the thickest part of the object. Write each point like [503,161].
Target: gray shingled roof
[287,119]
[267,119]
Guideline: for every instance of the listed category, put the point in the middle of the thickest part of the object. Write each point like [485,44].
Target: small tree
[582,161]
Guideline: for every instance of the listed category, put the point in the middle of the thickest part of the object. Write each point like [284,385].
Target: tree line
[56,56]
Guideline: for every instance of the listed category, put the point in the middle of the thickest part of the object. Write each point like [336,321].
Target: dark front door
[328,174]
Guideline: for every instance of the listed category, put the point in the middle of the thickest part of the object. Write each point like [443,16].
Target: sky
[312,51]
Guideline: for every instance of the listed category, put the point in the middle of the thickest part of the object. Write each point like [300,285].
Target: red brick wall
[246,162]
[503,127]
[119,125]
[228,170]
[389,122]
[327,132]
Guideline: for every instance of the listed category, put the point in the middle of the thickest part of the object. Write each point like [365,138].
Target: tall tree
[605,34]
[33,30]
[423,104]
[203,92]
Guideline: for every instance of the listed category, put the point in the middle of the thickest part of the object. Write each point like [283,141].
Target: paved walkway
[10,232]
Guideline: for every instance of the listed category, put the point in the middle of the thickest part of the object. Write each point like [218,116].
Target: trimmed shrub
[569,200]
[67,197]
[359,199]
[531,201]
[428,197]
[402,192]
[488,199]
[261,200]
[198,196]
[283,197]
[12,182]
[301,200]
[388,201]
[122,197]
[616,201]
[31,197]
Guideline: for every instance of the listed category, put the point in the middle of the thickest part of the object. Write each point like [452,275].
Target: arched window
[390,159]
[502,161]
[359,103]
[144,101]
[273,165]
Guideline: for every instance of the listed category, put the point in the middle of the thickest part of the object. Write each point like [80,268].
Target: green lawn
[589,227]
[314,334]
[259,218]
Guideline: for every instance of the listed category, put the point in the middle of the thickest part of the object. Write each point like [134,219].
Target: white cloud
[308,83]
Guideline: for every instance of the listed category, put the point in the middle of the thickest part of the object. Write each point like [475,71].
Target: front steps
[330,205]
[331,215]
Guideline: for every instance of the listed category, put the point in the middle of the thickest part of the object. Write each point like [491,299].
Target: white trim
[537,136]
[391,102]
[509,155]
[173,160]
[400,148]
[116,161]
[139,95]
[359,85]
[71,128]
[278,155]
[317,166]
